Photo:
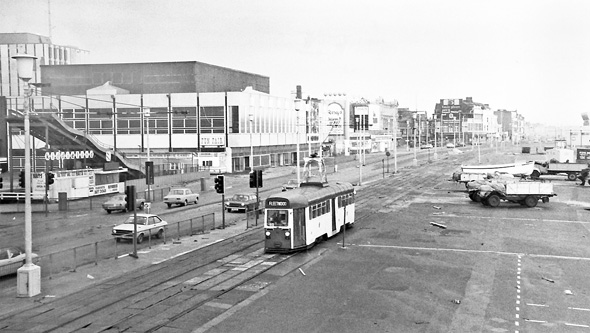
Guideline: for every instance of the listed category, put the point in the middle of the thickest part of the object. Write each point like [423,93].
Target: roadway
[499,269]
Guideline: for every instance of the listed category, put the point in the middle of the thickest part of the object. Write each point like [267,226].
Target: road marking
[579,309]
[535,321]
[576,325]
[513,218]
[474,251]
[533,304]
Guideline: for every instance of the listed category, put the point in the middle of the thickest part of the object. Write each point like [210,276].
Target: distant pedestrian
[584,176]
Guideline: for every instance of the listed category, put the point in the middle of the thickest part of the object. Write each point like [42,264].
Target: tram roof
[305,195]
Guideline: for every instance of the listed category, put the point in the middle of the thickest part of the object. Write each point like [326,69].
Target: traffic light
[253,180]
[1,184]
[130,197]
[149,172]
[219,184]
[256,179]
[21,179]
[50,178]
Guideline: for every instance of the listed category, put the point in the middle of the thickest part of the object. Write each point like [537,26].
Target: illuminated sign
[280,203]
[68,155]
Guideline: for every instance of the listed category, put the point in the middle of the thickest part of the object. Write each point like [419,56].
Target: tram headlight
[267,234]
[287,234]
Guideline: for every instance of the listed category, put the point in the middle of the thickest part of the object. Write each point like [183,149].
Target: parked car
[181,196]
[12,258]
[291,184]
[428,146]
[242,202]
[148,225]
[450,145]
[117,202]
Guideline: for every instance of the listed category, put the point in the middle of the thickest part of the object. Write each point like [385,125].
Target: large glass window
[277,218]
[212,119]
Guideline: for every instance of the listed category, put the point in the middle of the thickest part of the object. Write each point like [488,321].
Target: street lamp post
[435,155]
[415,160]
[146,115]
[28,280]
[297,108]
[251,121]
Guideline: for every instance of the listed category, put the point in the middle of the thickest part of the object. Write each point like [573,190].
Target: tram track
[191,283]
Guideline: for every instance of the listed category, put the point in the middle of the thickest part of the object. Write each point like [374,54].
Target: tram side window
[277,218]
[345,200]
[319,209]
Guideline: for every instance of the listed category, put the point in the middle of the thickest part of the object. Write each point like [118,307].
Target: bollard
[95,253]
[191,230]
[75,260]
[150,238]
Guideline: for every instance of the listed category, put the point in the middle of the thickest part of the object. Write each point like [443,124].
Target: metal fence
[110,249]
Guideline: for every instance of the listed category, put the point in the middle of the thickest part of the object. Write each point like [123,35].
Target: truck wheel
[108,212]
[536,174]
[493,200]
[472,196]
[571,176]
[530,201]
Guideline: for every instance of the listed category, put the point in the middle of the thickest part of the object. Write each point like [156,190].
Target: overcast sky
[531,55]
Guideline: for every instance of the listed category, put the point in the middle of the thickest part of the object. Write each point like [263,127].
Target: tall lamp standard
[146,115]
[28,279]
[297,108]
[435,156]
[415,160]
[251,120]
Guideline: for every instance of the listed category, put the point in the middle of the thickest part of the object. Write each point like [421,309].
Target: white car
[450,145]
[181,196]
[148,225]
[12,258]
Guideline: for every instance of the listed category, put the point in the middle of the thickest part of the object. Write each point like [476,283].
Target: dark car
[242,202]
[117,203]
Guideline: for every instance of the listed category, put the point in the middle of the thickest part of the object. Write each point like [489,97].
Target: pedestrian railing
[111,249]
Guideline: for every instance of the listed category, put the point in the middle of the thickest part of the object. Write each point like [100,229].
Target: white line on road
[533,304]
[576,325]
[473,251]
[579,309]
[535,321]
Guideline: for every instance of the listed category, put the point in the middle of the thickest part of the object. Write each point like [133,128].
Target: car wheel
[196,201]
[169,205]
[108,211]
[139,238]
[571,176]
[185,203]
[160,234]
[530,201]
[493,200]
[118,240]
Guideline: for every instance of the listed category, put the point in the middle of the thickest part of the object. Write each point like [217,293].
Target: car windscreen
[239,197]
[177,192]
[131,219]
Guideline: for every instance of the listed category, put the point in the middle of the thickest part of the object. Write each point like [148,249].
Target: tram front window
[277,218]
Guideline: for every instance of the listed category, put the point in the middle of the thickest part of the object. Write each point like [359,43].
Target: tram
[297,219]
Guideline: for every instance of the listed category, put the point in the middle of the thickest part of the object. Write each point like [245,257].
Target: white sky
[527,55]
